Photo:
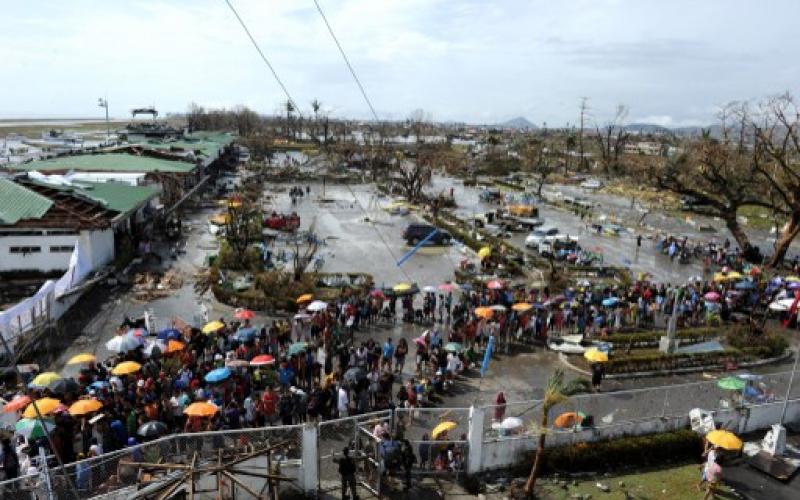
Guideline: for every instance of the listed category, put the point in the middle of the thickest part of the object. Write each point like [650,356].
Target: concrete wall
[44,260]
[98,245]
[504,452]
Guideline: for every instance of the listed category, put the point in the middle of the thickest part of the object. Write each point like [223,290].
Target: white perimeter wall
[97,245]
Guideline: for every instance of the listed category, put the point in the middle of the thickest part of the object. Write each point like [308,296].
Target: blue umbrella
[169,334]
[100,384]
[745,285]
[217,375]
[611,301]
[245,334]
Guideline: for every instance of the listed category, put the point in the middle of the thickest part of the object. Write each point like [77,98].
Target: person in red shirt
[269,405]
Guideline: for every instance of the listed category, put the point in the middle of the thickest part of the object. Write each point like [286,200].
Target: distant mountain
[647,128]
[518,123]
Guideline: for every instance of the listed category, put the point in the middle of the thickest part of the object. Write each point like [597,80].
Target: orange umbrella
[17,404]
[569,419]
[84,406]
[174,346]
[45,406]
[201,409]
[484,312]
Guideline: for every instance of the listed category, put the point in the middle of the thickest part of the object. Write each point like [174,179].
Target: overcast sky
[480,61]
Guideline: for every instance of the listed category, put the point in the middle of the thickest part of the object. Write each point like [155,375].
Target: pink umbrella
[712,296]
[262,360]
[495,285]
[377,294]
[420,341]
[447,287]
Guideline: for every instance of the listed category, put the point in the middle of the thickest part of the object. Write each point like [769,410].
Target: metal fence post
[475,439]
[45,472]
[310,474]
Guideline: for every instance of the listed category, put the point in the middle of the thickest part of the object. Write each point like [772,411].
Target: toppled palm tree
[553,396]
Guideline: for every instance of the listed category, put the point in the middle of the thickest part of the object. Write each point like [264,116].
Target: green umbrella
[31,428]
[731,383]
[297,347]
[453,347]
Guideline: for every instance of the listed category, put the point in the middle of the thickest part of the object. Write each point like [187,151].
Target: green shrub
[577,386]
[652,449]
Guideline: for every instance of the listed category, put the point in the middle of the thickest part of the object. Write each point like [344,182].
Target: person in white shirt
[343,401]
[249,410]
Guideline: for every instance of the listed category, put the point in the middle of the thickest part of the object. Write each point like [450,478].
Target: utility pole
[584,108]
[103,103]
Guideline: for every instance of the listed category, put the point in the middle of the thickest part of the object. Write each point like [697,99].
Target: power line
[263,57]
[347,61]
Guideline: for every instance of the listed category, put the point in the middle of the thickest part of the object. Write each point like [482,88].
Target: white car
[538,236]
[591,184]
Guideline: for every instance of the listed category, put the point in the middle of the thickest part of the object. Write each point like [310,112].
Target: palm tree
[553,396]
[315,106]
[289,111]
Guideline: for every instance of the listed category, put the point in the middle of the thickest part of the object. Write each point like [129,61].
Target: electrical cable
[347,61]
[264,57]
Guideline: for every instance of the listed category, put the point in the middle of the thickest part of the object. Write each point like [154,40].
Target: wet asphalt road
[353,244]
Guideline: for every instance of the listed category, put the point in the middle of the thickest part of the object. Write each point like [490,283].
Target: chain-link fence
[334,435]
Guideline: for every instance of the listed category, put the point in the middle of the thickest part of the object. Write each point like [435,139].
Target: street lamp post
[103,103]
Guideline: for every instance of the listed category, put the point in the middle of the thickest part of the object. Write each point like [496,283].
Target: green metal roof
[206,143]
[18,203]
[107,162]
[117,196]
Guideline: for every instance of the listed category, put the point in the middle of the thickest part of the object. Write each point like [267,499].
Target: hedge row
[651,339]
[656,362]
[640,451]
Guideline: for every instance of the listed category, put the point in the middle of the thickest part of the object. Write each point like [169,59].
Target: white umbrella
[302,316]
[508,424]
[584,283]
[429,289]
[781,305]
[498,308]
[317,305]
[122,343]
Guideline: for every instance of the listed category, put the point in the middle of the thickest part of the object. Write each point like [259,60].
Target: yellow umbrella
[484,252]
[219,219]
[306,297]
[522,307]
[45,379]
[201,409]
[402,287]
[45,406]
[484,312]
[724,439]
[82,358]
[442,428]
[731,276]
[213,326]
[126,368]
[595,356]
[84,406]
[792,278]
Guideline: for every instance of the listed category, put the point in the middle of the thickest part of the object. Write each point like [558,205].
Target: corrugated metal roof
[18,203]
[108,162]
[117,196]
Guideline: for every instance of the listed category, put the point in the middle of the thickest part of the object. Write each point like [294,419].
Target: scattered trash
[603,487]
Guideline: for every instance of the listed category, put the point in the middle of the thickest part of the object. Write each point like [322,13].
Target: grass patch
[757,217]
[676,482]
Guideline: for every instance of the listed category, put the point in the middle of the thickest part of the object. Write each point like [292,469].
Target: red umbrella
[262,360]
[447,287]
[244,314]
[16,404]
[377,294]
[495,285]
[712,296]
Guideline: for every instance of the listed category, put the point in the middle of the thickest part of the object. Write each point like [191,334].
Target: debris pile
[151,285]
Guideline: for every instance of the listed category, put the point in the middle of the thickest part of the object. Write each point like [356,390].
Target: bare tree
[538,159]
[611,140]
[777,144]
[242,227]
[315,107]
[720,177]
[584,112]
